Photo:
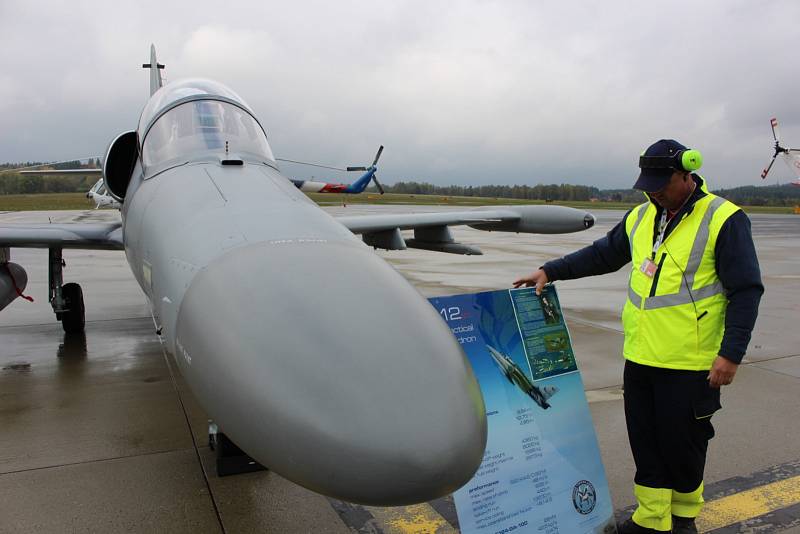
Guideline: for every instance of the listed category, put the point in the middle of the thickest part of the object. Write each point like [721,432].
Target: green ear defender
[683,160]
[691,160]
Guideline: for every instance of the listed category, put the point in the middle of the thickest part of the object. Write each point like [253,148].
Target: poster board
[542,471]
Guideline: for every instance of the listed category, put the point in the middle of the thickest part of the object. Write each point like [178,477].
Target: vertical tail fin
[155,71]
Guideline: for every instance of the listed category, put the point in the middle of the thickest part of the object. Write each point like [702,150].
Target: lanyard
[662,228]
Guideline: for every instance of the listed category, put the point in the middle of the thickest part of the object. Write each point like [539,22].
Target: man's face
[674,193]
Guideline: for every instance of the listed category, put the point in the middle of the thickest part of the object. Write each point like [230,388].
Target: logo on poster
[584,497]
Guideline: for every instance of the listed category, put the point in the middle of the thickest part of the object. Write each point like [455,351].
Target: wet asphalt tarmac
[98,434]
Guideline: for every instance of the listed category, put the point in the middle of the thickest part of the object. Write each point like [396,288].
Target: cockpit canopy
[197,118]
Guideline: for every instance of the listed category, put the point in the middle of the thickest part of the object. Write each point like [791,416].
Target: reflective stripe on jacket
[676,318]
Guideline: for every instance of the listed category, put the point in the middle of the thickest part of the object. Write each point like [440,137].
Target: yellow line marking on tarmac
[730,510]
[749,504]
[604,395]
[416,519]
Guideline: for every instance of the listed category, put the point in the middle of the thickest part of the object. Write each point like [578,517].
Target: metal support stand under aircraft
[231,460]
[66,299]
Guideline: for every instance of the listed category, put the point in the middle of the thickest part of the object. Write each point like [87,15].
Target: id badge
[649,268]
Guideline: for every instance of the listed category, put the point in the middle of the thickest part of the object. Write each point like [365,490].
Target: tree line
[746,195]
[526,192]
[764,195]
[13,183]
[750,195]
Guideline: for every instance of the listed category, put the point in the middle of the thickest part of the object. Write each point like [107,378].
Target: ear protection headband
[683,160]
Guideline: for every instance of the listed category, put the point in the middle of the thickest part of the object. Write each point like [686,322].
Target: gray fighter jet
[516,376]
[344,379]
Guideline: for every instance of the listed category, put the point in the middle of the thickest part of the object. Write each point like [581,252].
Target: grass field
[78,201]
[45,201]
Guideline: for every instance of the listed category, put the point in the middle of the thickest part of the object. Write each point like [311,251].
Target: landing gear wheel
[73,320]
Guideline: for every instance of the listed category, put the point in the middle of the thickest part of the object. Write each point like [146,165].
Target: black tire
[74,319]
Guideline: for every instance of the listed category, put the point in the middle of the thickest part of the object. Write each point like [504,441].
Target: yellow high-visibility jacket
[676,318]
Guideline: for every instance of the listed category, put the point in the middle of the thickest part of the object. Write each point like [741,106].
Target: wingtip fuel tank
[540,220]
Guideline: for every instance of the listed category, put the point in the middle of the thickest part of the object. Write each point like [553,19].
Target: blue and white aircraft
[370,175]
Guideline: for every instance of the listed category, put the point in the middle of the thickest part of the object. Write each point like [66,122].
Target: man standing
[693,297]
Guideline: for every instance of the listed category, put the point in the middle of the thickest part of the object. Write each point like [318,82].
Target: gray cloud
[459,92]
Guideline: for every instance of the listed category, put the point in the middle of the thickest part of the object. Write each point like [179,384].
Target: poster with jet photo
[542,470]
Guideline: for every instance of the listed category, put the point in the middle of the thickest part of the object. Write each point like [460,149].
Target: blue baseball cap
[658,163]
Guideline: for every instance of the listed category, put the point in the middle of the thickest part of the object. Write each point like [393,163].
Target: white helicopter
[790,155]
[101,196]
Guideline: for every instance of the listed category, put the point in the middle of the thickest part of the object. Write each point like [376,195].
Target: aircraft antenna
[310,164]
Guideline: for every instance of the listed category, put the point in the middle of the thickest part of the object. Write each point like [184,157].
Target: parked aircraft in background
[228,252]
[101,196]
[790,155]
[311,186]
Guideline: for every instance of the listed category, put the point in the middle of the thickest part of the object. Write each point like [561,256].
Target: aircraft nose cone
[325,365]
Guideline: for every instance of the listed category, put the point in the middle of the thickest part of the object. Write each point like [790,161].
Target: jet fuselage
[314,355]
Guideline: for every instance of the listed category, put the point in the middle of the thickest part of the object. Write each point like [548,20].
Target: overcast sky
[466,92]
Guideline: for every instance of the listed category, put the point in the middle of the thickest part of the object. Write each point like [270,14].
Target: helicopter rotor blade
[766,171]
[378,184]
[377,156]
[350,169]
[776,134]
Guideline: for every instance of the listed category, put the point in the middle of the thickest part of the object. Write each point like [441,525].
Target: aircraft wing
[431,230]
[106,236]
[528,219]
[364,224]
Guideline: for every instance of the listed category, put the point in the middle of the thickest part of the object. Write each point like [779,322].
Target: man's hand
[722,372]
[536,279]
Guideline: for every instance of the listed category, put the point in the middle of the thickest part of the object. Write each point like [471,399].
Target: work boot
[631,527]
[683,525]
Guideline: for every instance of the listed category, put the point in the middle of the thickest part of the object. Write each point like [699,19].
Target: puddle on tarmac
[18,367]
